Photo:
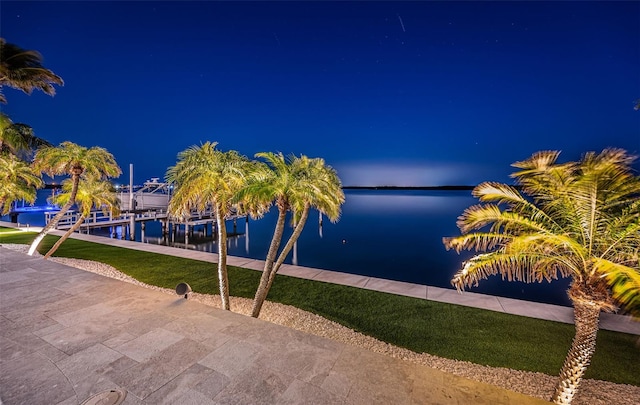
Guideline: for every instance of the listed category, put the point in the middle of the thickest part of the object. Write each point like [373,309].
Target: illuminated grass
[9,230]
[446,330]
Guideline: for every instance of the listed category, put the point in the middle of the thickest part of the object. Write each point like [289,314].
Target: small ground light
[108,397]
[183,289]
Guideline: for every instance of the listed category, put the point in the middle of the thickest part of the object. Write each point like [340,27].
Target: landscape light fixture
[183,289]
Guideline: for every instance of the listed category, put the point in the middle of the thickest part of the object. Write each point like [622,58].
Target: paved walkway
[67,335]
[557,313]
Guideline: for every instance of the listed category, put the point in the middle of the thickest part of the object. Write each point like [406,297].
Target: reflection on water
[388,234]
[405,202]
[294,258]
[246,237]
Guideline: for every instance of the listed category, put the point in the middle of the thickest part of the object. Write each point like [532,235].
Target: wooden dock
[127,220]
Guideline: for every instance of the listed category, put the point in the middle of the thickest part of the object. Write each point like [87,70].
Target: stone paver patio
[67,334]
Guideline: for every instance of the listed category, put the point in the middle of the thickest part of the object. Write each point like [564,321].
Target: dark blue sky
[402,93]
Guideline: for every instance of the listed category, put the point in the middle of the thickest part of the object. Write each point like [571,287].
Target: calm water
[388,234]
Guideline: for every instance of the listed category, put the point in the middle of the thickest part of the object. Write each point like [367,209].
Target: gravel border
[591,392]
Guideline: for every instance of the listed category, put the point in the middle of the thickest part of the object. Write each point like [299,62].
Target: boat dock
[142,205]
[127,221]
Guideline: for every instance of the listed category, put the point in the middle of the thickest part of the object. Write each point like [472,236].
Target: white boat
[153,195]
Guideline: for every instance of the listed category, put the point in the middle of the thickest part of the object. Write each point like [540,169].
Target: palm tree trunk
[65,236]
[287,248]
[262,291]
[54,221]
[223,277]
[587,315]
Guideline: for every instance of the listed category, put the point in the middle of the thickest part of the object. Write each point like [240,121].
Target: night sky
[415,93]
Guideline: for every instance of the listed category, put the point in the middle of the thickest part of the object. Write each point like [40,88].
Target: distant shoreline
[442,188]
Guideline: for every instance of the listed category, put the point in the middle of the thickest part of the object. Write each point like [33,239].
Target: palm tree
[203,178]
[18,139]
[19,182]
[91,193]
[73,160]
[22,69]
[12,139]
[296,185]
[577,219]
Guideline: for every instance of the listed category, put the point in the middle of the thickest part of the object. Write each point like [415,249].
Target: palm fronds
[22,70]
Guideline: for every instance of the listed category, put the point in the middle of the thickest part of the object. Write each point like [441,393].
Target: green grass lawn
[8,230]
[446,330]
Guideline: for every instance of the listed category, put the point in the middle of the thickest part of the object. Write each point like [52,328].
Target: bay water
[389,234]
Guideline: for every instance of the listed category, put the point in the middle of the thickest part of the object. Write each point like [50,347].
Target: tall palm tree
[73,160]
[19,182]
[295,185]
[577,219]
[203,178]
[22,69]
[92,193]
[18,139]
